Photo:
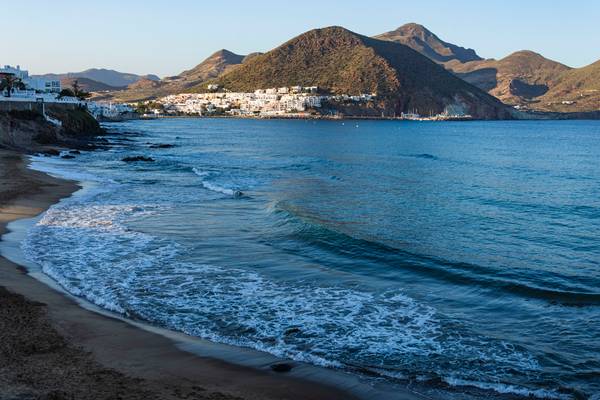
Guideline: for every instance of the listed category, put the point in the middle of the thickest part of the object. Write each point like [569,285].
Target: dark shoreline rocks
[137,159]
[51,153]
[29,131]
[292,331]
[281,367]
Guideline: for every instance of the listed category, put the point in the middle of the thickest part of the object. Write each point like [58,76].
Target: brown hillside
[220,62]
[516,79]
[580,86]
[212,67]
[88,85]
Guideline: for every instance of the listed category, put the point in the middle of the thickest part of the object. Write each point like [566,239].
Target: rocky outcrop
[30,130]
[137,159]
[430,45]
[75,121]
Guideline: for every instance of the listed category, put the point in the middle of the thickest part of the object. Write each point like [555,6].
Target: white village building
[39,85]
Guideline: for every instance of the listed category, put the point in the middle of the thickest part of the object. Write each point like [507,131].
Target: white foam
[87,249]
[212,186]
[330,320]
[218,189]
[75,243]
[508,389]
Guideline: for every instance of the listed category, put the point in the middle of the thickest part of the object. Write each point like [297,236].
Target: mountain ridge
[515,79]
[523,78]
[88,85]
[106,76]
[424,41]
[577,89]
[212,67]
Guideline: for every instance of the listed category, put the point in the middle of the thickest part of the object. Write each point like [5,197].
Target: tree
[141,108]
[10,82]
[79,92]
[66,93]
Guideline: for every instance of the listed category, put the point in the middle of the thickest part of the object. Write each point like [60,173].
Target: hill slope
[344,62]
[419,38]
[88,85]
[580,86]
[106,76]
[214,66]
[515,79]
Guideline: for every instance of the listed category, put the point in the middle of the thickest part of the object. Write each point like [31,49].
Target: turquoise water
[457,257]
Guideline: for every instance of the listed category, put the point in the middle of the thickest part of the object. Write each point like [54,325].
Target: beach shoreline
[93,353]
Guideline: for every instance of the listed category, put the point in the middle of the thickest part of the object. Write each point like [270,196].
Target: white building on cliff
[39,85]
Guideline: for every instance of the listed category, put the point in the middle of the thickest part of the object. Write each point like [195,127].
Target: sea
[459,258]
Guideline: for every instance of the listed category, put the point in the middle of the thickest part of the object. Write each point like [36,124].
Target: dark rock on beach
[138,159]
[68,157]
[281,367]
[292,331]
[51,152]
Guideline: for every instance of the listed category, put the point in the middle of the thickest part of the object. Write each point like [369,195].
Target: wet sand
[51,348]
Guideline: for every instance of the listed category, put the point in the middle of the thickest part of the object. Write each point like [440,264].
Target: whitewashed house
[39,85]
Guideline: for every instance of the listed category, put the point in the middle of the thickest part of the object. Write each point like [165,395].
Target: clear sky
[166,37]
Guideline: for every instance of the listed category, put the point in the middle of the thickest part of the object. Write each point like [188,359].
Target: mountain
[88,85]
[214,66]
[106,76]
[516,79]
[251,55]
[575,90]
[343,62]
[144,84]
[419,38]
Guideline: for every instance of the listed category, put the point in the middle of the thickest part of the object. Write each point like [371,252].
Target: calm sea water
[460,256]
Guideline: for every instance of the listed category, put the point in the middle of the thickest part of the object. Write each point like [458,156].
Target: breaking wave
[207,184]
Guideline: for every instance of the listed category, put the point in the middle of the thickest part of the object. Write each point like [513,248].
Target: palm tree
[10,82]
[76,87]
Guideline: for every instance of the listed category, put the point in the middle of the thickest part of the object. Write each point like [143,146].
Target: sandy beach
[51,348]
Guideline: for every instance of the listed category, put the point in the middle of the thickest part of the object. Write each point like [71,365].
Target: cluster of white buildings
[108,110]
[262,102]
[32,85]
[47,91]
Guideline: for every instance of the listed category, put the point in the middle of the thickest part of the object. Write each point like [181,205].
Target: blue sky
[166,37]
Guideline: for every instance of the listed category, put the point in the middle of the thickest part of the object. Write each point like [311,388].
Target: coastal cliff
[30,128]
